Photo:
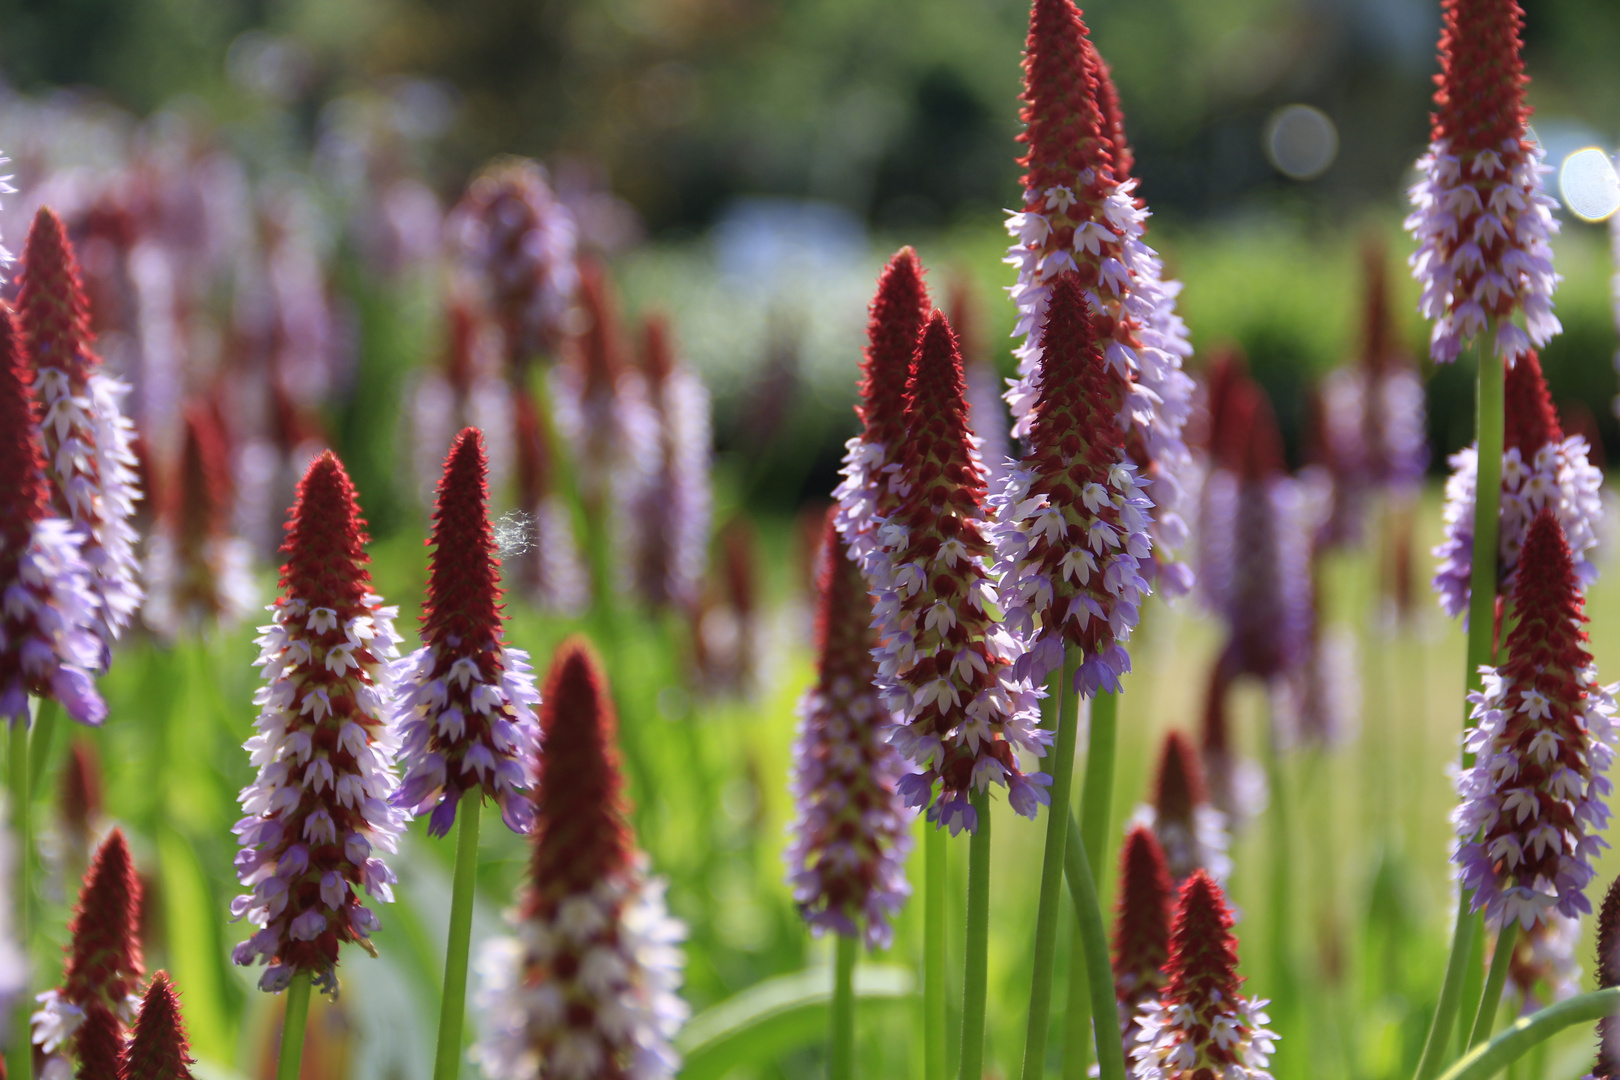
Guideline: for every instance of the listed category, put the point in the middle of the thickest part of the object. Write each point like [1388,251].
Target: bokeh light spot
[1589,185]
[1301,141]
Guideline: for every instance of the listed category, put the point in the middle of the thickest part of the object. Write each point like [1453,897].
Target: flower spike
[1071,528]
[1534,803]
[551,568]
[1081,214]
[868,493]
[944,665]
[1141,924]
[86,435]
[586,986]
[100,1048]
[318,808]
[1190,831]
[1607,1066]
[464,710]
[1202,1026]
[48,645]
[1480,216]
[852,831]
[159,1049]
[104,965]
[1541,468]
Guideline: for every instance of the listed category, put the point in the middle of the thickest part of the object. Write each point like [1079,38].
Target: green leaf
[778,1015]
[1524,1033]
[195,951]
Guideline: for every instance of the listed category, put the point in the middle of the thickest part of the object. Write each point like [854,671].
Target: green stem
[976,976]
[1098,794]
[1099,968]
[1051,895]
[1473,985]
[1530,1031]
[292,1028]
[453,1006]
[1481,633]
[1505,940]
[1077,1006]
[1281,915]
[39,745]
[843,1010]
[21,1054]
[933,952]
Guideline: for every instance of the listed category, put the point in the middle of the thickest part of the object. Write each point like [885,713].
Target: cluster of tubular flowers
[944,665]
[464,702]
[1190,831]
[1141,926]
[1543,968]
[318,810]
[48,644]
[1534,802]
[1081,214]
[86,435]
[103,971]
[869,490]
[852,832]
[1541,470]
[1480,216]
[587,983]
[198,575]
[1071,520]
[544,550]
[1201,1026]
[666,519]
[514,238]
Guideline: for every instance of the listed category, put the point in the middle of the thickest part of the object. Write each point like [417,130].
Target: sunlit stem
[292,1028]
[933,952]
[39,743]
[1098,794]
[1473,985]
[1481,634]
[1077,1007]
[843,1009]
[977,972]
[1099,970]
[453,1006]
[1529,1032]
[1281,916]
[1505,940]
[1051,894]
[21,1064]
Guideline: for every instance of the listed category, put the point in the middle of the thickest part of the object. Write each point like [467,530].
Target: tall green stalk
[21,1066]
[1099,969]
[1481,635]
[1051,895]
[39,741]
[933,952]
[843,1010]
[1077,1006]
[1284,1002]
[1532,1032]
[977,973]
[292,1028]
[1098,795]
[453,1006]
[1505,940]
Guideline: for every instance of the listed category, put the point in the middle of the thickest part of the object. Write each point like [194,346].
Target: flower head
[987,411]
[1480,216]
[1190,831]
[852,830]
[944,665]
[104,967]
[1081,214]
[464,704]
[468,389]
[1071,526]
[100,1045]
[1541,469]
[198,575]
[1201,1026]
[586,986]
[318,811]
[159,1049]
[48,644]
[868,494]
[86,435]
[1608,974]
[601,418]
[1534,803]
[1141,922]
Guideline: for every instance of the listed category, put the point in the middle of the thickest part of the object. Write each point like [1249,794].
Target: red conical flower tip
[655,356]
[25,496]
[202,497]
[79,802]
[898,312]
[1203,952]
[581,832]
[464,583]
[1142,922]
[1480,100]
[1377,336]
[326,538]
[1529,419]
[533,451]
[104,956]
[1608,974]
[601,354]
[844,636]
[1064,130]
[738,544]
[1181,780]
[100,1044]
[51,303]
[1113,117]
[159,1050]
[1547,597]
[937,421]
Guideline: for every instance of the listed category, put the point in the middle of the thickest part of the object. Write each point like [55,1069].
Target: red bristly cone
[463,609]
[582,832]
[1064,129]
[1113,117]
[159,1049]
[1202,970]
[1182,799]
[1607,1066]
[99,1044]
[1142,920]
[51,303]
[1479,103]
[1528,417]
